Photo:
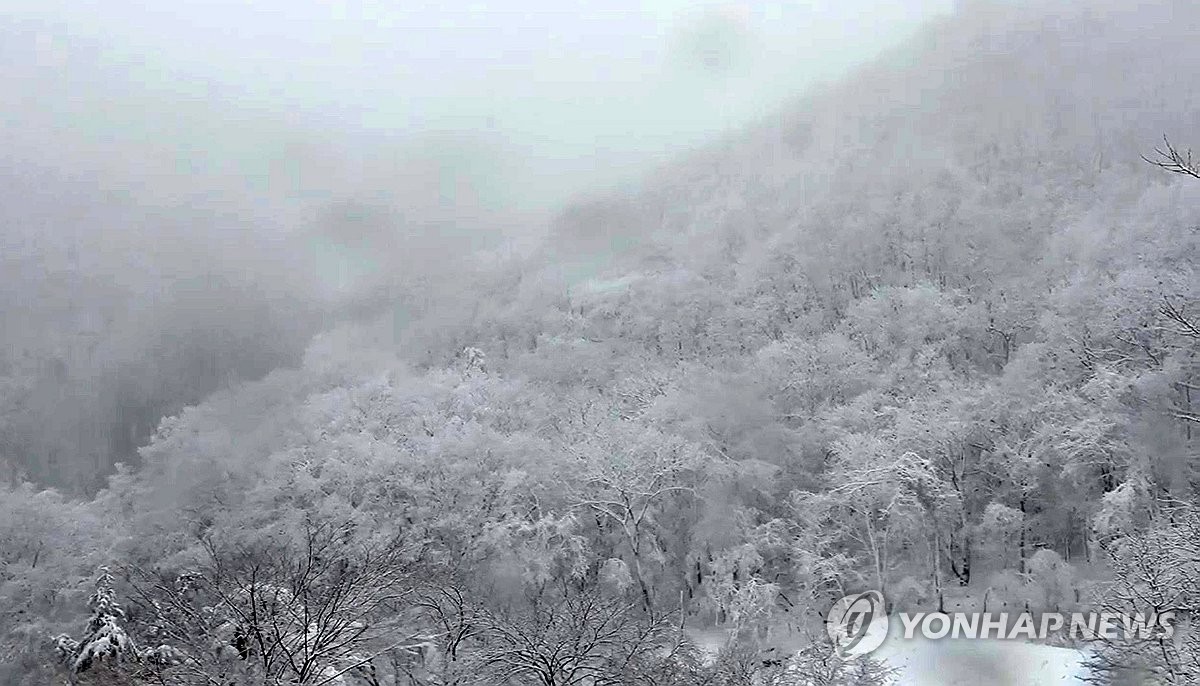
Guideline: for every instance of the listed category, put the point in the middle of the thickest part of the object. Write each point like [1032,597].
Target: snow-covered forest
[931,329]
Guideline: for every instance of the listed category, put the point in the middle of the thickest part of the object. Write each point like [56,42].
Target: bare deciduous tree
[577,636]
[307,612]
[1170,158]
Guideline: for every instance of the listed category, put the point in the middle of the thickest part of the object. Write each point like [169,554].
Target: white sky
[566,94]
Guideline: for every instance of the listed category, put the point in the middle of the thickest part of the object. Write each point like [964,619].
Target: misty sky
[517,104]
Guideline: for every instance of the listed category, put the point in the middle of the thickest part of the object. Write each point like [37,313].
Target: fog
[619,342]
[190,192]
[520,104]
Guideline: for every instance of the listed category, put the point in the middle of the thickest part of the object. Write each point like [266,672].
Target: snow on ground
[984,662]
[956,662]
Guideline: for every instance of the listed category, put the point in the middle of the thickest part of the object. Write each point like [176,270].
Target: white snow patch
[994,662]
[601,286]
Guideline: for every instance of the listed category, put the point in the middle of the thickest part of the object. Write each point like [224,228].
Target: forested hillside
[931,330]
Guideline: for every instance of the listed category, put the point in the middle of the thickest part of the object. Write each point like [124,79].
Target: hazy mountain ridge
[914,334]
[998,104]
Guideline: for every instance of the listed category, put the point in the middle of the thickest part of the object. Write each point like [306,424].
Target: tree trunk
[1021,552]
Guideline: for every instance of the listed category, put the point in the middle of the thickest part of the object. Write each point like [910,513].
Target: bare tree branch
[1174,161]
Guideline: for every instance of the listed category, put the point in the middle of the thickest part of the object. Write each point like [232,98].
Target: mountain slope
[914,334]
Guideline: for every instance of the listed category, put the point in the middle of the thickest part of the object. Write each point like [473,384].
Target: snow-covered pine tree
[105,639]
